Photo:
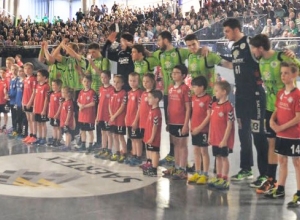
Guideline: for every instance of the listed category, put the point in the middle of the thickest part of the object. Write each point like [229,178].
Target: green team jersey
[271,76]
[169,59]
[70,76]
[204,66]
[102,64]
[145,66]
[55,71]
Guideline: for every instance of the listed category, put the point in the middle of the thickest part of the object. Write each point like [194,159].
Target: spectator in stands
[256,28]
[278,30]
[292,28]
[79,15]
[279,12]
[268,27]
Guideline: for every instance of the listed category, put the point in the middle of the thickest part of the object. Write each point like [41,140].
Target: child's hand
[185,130]
[28,106]
[194,131]
[208,141]
[277,128]
[112,118]
[134,126]
[81,107]
[150,141]
[223,144]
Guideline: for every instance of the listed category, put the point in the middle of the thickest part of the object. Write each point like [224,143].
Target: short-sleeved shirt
[29,86]
[54,102]
[117,99]
[87,115]
[2,94]
[220,115]
[145,66]
[154,119]
[144,109]
[271,76]
[67,107]
[287,105]
[177,98]
[102,64]
[200,106]
[204,66]
[55,71]
[133,102]
[41,93]
[169,59]
[104,97]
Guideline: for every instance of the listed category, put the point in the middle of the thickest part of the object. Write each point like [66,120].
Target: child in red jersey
[152,135]
[132,119]
[9,62]
[221,134]
[285,121]
[67,119]
[103,115]
[179,111]
[55,99]
[201,103]
[149,85]
[86,101]
[117,112]
[3,98]
[27,101]
[40,105]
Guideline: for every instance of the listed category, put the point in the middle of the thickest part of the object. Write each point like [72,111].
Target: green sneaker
[294,203]
[106,156]
[121,159]
[168,160]
[243,174]
[212,181]
[259,182]
[100,153]
[222,184]
[274,194]
[115,157]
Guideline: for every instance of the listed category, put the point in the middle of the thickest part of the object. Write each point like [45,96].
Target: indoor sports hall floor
[39,182]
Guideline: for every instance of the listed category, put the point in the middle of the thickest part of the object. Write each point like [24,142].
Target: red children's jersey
[8,76]
[29,86]
[104,97]
[220,115]
[54,102]
[40,97]
[133,102]
[154,119]
[67,107]
[3,87]
[177,98]
[117,99]
[87,115]
[287,106]
[144,109]
[200,106]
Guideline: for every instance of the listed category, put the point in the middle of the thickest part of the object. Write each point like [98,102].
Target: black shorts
[152,148]
[221,151]
[121,130]
[30,109]
[3,109]
[86,126]
[67,130]
[270,133]
[252,107]
[175,130]
[104,125]
[200,140]
[287,147]
[137,134]
[54,122]
[40,118]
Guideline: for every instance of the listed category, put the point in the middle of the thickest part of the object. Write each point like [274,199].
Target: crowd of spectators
[274,18]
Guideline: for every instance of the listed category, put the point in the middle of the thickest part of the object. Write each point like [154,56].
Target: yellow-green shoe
[295,202]
[202,180]
[194,178]
[213,181]
[121,159]
[115,157]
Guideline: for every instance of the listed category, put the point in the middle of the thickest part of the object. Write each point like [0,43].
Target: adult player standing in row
[250,104]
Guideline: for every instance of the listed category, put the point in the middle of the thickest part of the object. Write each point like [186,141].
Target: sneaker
[135,162]
[115,157]
[121,159]
[222,184]
[13,134]
[267,186]
[273,194]
[168,160]
[190,169]
[202,180]
[128,159]
[243,174]
[42,142]
[106,156]
[51,142]
[57,143]
[194,178]
[32,140]
[259,182]
[90,149]
[65,148]
[26,139]
[151,172]
[169,172]
[212,181]
[81,148]
[294,202]
[179,175]
[100,153]
[146,165]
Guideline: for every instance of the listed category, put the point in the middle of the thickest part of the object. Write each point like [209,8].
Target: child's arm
[273,120]
[71,52]
[185,128]
[91,104]
[29,104]
[41,57]
[198,129]
[291,123]
[120,110]
[48,56]
[58,111]
[68,116]
[46,102]
[136,120]
[154,130]
[227,133]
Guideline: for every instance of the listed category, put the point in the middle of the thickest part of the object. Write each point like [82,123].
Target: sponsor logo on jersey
[221,114]
[243,46]
[201,104]
[274,64]
[123,60]
[290,99]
